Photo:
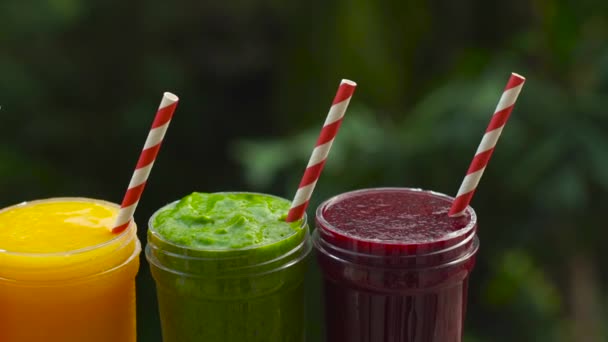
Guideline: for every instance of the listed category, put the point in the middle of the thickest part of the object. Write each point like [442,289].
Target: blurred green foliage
[81,82]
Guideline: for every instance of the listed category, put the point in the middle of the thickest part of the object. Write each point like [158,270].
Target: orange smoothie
[64,277]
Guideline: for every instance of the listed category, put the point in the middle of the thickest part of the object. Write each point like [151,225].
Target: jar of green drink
[229,268]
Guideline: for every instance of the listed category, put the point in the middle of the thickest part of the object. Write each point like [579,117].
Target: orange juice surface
[64,277]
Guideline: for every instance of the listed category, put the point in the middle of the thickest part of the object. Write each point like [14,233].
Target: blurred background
[80,83]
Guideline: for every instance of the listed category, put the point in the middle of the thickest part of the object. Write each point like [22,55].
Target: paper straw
[321,150]
[487,145]
[146,161]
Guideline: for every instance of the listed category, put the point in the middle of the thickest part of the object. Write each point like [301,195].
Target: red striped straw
[487,145]
[321,150]
[146,161]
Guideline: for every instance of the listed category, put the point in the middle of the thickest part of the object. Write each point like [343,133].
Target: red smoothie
[395,265]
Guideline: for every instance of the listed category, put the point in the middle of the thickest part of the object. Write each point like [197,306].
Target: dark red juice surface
[393,221]
[371,295]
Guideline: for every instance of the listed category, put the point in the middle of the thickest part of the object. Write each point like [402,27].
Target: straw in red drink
[321,150]
[487,145]
[146,161]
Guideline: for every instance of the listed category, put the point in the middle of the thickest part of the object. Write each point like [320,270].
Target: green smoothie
[228,268]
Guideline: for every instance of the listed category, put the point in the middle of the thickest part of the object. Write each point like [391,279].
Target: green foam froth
[225,221]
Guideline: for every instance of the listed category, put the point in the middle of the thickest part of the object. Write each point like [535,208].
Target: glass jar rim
[358,254]
[360,260]
[76,280]
[292,257]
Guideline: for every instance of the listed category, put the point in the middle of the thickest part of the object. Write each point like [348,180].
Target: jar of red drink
[395,265]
